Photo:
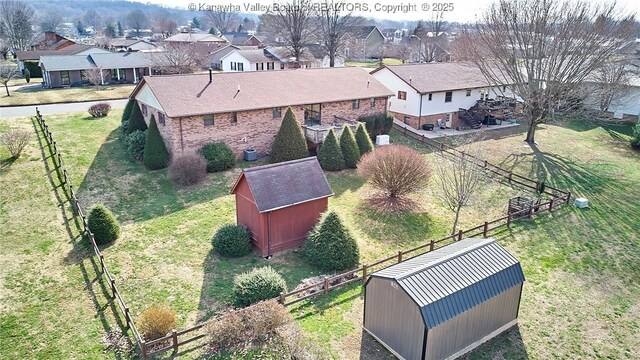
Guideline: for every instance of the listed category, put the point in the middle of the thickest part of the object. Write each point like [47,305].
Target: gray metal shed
[444,303]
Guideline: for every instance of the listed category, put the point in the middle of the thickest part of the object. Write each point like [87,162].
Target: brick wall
[166,130]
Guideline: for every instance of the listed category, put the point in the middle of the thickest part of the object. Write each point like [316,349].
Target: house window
[64,75]
[447,96]
[240,67]
[257,67]
[143,107]
[281,66]
[208,120]
[402,95]
[234,117]
[355,104]
[262,66]
[277,113]
[83,77]
[233,66]
[468,92]
[373,102]
[161,118]
[430,97]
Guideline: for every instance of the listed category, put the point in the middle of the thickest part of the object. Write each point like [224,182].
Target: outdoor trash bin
[250,155]
[428,127]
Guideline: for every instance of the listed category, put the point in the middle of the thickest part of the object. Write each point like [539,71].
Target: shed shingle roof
[438,77]
[189,95]
[451,280]
[285,184]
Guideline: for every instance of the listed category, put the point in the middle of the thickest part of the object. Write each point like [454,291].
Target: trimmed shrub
[134,143]
[330,156]
[15,141]
[27,75]
[127,110]
[155,155]
[377,124]
[186,170]
[136,120]
[103,224]
[635,140]
[219,156]
[349,148]
[290,143]
[99,110]
[34,68]
[330,245]
[365,145]
[156,321]
[259,284]
[232,241]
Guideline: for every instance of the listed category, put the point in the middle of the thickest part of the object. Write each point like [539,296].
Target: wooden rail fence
[174,340]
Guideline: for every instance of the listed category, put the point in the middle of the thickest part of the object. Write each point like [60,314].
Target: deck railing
[317,133]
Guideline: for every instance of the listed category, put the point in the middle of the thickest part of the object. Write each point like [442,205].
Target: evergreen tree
[195,23]
[110,31]
[136,120]
[290,143]
[212,31]
[365,145]
[120,29]
[349,148]
[155,155]
[127,110]
[103,224]
[330,156]
[330,245]
[80,28]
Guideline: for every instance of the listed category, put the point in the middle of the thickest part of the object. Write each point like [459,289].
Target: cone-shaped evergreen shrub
[136,120]
[127,110]
[232,241]
[155,155]
[290,143]
[330,156]
[635,140]
[365,145]
[103,224]
[330,245]
[349,148]
[259,284]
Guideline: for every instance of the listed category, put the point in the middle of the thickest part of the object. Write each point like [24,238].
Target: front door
[312,114]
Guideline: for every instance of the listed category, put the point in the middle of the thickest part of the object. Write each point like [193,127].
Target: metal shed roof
[451,280]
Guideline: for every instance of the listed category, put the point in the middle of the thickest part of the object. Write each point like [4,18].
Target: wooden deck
[317,133]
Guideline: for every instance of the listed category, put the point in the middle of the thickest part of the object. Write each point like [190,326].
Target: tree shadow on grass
[91,271]
[6,163]
[134,193]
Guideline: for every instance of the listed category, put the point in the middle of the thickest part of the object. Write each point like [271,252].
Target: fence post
[551,205]
[281,298]
[484,230]
[102,262]
[509,220]
[364,273]
[432,244]
[568,198]
[127,316]
[325,286]
[174,338]
[485,163]
[399,256]
[143,350]
[113,287]
[459,235]
[510,175]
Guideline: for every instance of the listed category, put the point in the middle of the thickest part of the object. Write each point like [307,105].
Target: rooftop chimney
[210,75]
[238,87]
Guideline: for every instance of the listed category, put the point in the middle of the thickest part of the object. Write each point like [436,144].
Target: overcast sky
[456,10]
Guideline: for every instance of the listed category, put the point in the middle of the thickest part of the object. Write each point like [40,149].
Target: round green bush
[103,224]
[257,285]
[219,156]
[330,245]
[232,241]
[134,143]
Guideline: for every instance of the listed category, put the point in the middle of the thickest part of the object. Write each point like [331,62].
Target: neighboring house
[445,303]
[363,43]
[117,68]
[213,60]
[121,45]
[245,109]
[321,57]
[393,36]
[426,93]
[287,60]
[280,217]
[249,60]
[241,39]
[74,49]
[49,40]
[625,98]
[190,38]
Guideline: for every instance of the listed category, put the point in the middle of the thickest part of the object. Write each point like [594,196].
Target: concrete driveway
[30,110]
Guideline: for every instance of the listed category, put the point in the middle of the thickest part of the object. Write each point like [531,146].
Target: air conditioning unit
[581,203]
[382,140]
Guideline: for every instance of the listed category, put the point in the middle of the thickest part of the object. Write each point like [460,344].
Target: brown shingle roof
[285,184]
[36,54]
[187,95]
[438,77]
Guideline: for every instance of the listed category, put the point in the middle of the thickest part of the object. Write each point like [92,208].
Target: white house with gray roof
[249,60]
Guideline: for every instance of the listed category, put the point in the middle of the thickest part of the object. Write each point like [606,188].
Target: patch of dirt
[117,342]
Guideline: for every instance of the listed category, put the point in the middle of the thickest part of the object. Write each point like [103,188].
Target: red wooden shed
[280,203]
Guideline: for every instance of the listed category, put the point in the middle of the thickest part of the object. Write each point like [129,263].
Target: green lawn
[581,266]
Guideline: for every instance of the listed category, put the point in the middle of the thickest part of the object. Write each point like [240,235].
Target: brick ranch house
[245,109]
[427,92]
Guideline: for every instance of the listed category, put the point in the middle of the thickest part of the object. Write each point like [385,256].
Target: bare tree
[546,49]
[8,72]
[292,22]
[95,76]
[610,82]
[92,18]
[222,20]
[458,180]
[402,52]
[178,58]
[50,21]
[15,141]
[4,48]
[15,23]
[164,24]
[333,22]
[138,21]
[437,25]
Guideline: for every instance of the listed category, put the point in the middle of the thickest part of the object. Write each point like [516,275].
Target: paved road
[21,111]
